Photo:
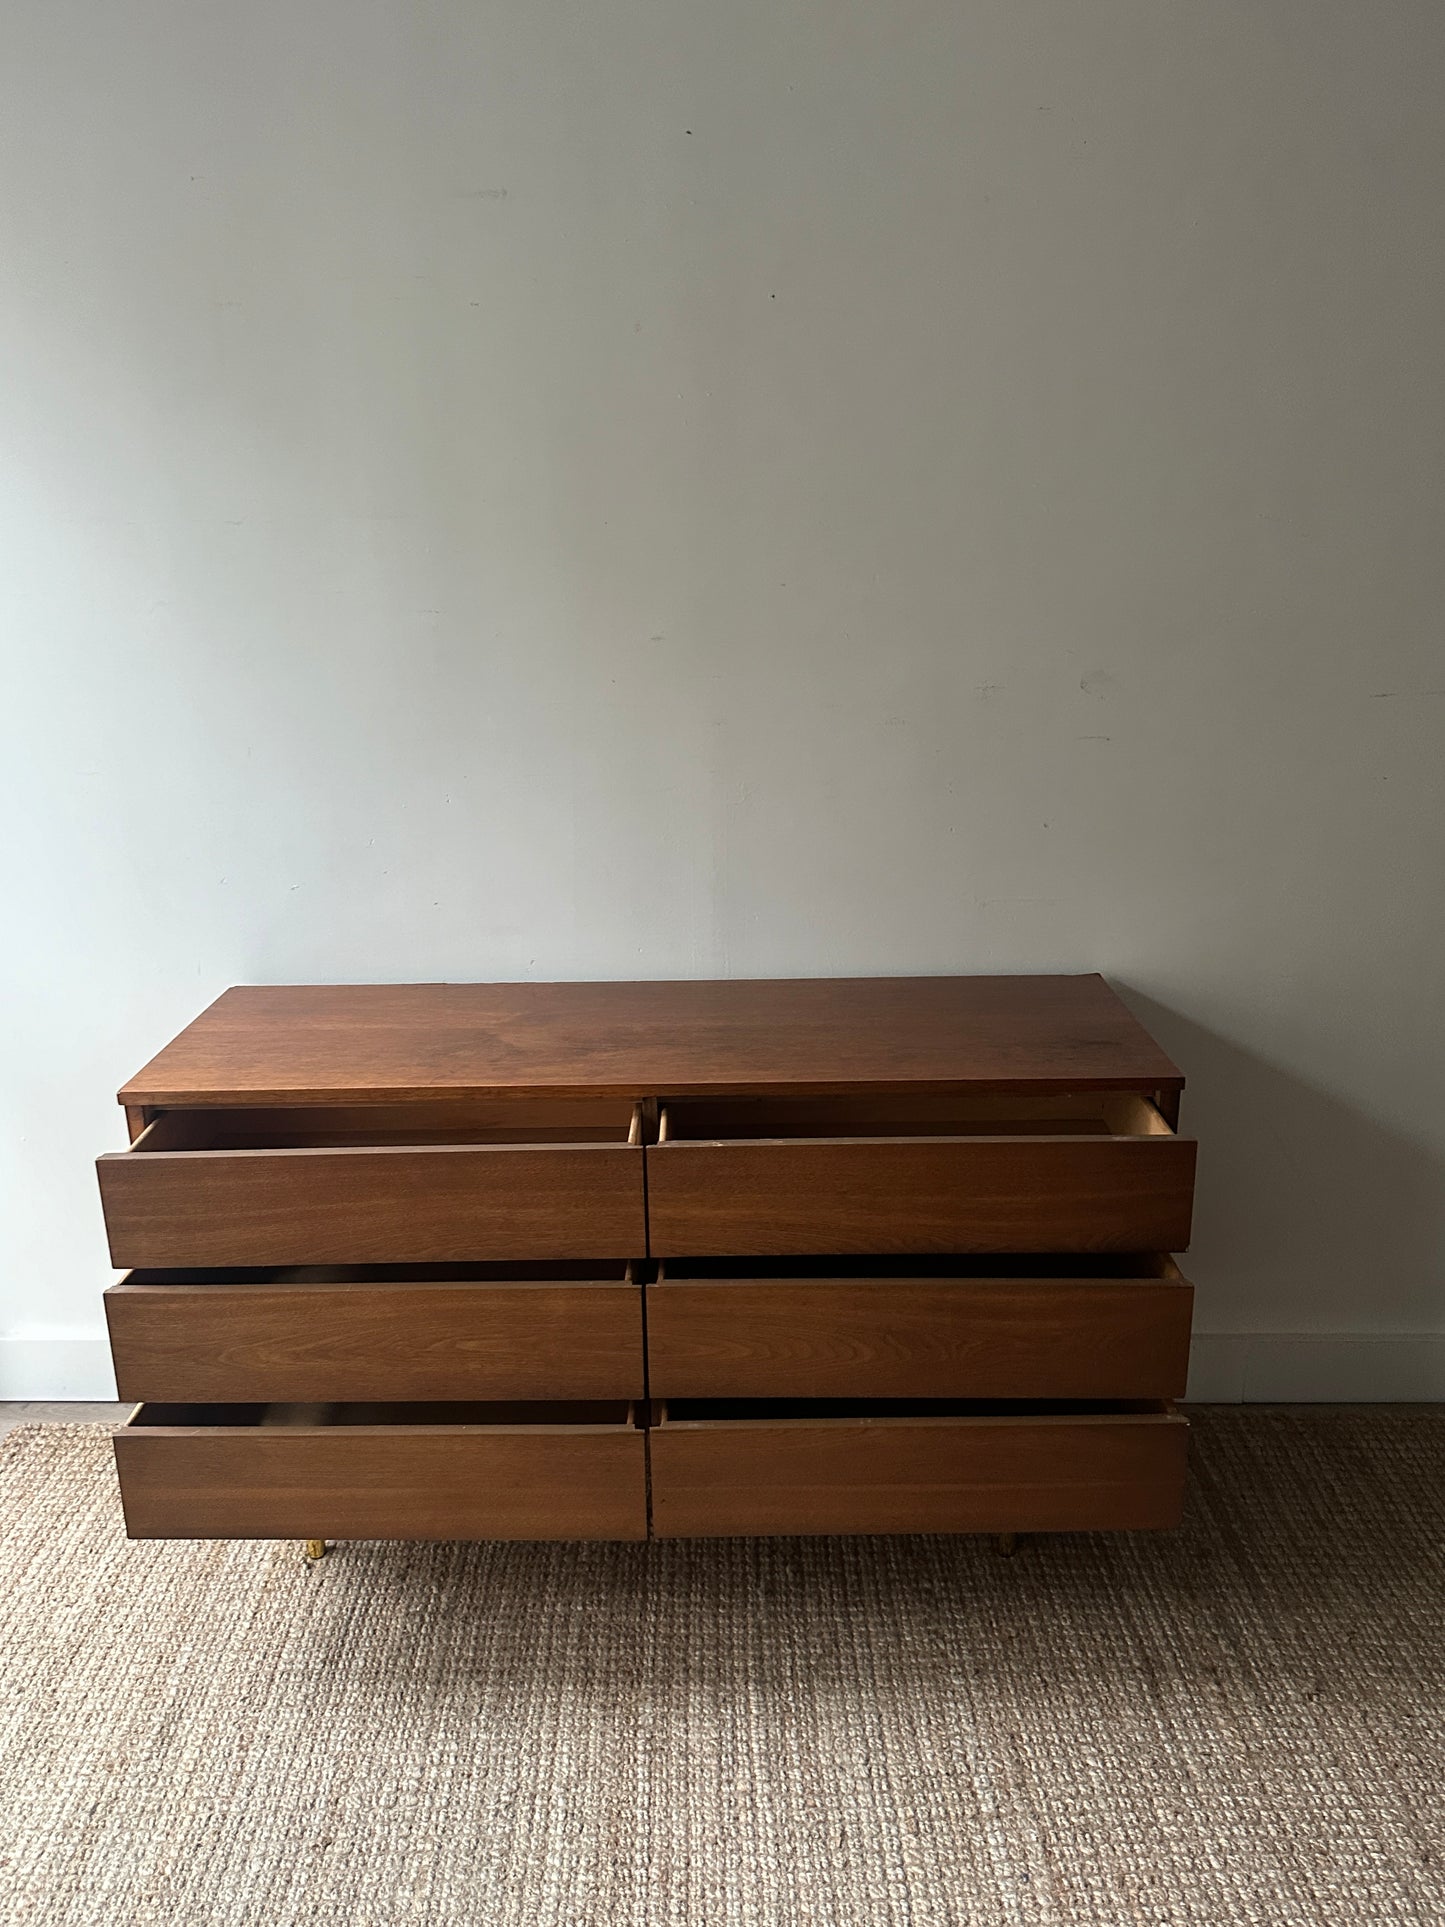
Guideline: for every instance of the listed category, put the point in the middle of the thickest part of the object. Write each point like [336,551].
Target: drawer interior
[812,1411]
[1069,1114]
[313,1417]
[359,1126]
[541,1272]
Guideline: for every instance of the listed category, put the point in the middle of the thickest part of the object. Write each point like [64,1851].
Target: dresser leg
[1006,1544]
[315,1549]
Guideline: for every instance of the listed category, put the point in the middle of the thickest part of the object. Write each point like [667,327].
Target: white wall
[512,488]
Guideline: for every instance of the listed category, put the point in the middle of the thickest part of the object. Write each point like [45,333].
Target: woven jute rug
[1237,1722]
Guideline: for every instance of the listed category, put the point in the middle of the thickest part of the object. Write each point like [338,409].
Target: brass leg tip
[1006,1544]
[315,1549]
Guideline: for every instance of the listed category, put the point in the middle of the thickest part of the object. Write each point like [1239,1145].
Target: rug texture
[1240,1722]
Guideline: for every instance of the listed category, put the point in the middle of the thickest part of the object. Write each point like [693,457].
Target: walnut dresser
[605,1261]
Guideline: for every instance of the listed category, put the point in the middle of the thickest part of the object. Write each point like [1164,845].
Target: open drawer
[1099,1171]
[373,1184]
[361,1471]
[723,1467]
[1037,1327]
[514,1331]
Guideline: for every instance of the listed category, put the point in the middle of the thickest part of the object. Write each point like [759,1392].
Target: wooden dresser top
[358,1043]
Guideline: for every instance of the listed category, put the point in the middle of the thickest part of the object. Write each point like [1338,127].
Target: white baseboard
[1370,1368]
[56,1369]
[1225,1368]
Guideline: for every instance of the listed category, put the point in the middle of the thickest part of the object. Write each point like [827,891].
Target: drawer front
[1048,1474]
[882,1337]
[361,1340]
[387,1482]
[418,1204]
[775,1197]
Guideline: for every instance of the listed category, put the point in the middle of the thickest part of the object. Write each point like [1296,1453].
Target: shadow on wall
[1310,1217]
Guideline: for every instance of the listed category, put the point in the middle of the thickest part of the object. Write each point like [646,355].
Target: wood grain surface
[910,1337]
[362,1206]
[218,1481]
[316,1043]
[920,1194]
[1097,1473]
[405,1339]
